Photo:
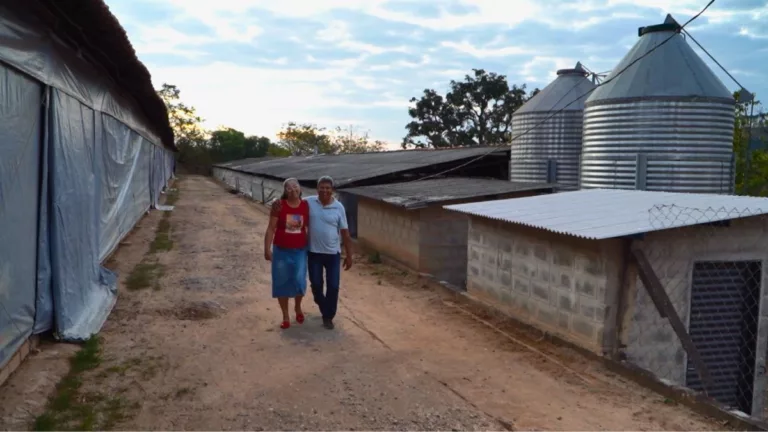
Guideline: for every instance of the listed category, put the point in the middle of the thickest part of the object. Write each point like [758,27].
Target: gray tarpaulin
[79,167]
[83,291]
[160,172]
[20,125]
[124,183]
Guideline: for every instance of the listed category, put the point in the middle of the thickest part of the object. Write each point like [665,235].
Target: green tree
[475,111]
[186,124]
[277,150]
[304,139]
[257,146]
[227,144]
[750,164]
[348,140]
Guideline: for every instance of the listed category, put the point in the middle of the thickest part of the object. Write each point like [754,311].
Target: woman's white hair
[288,181]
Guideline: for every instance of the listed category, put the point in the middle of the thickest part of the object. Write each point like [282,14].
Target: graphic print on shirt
[294,223]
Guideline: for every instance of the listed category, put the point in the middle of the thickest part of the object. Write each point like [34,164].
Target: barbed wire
[710,273]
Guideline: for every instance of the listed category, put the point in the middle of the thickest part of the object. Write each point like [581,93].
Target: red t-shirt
[292,222]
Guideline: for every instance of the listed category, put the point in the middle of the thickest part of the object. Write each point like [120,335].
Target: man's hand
[347,262]
[268,254]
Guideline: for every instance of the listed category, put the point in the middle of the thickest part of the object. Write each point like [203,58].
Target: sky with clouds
[256,64]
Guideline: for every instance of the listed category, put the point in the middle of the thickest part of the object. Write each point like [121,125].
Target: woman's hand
[268,254]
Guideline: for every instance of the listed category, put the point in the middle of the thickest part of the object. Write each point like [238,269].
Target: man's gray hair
[325,179]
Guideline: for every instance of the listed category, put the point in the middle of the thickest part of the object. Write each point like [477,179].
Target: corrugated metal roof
[244,162]
[348,168]
[570,84]
[608,213]
[672,70]
[417,194]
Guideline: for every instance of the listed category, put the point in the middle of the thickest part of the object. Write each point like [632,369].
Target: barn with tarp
[85,151]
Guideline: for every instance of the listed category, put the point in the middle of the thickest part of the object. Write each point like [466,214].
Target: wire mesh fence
[697,312]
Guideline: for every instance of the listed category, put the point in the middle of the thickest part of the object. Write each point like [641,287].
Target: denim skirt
[289,272]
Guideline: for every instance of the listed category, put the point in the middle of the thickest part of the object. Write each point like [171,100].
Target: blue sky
[256,64]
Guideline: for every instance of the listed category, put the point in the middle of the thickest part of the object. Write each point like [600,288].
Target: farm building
[406,222]
[671,282]
[85,151]
[262,179]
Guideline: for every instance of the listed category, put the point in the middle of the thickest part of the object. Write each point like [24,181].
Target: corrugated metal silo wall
[684,145]
[558,139]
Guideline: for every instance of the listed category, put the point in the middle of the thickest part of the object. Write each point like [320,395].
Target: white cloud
[745,31]
[402,64]
[167,40]
[226,18]
[543,69]
[482,52]
[261,100]
[485,12]
[337,32]
[330,91]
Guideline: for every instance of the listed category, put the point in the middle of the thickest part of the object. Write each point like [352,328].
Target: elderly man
[328,231]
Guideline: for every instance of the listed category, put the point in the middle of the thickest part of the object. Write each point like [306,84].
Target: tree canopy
[750,160]
[304,139]
[199,148]
[475,111]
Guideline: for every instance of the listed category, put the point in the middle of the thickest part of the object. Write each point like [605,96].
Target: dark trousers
[330,263]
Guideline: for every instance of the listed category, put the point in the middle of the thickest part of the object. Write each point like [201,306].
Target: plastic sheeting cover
[27,45]
[124,191]
[20,125]
[83,292]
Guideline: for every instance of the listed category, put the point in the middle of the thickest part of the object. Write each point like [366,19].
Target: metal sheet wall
[687,146]
[558,139]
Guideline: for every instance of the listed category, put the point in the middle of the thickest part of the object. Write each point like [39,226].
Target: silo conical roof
[672,70]
[569,85]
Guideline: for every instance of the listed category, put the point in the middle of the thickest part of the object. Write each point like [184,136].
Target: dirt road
[199,348]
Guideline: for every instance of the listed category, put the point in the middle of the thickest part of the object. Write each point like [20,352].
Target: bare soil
[201,349]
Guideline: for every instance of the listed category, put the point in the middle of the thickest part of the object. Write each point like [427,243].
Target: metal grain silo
[665,124]
[550,151]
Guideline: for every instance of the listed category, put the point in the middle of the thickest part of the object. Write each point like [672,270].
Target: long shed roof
[417,194]
[607,213]
[349,168]
[93,27]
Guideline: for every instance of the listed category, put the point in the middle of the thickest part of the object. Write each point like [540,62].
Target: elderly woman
[285,244]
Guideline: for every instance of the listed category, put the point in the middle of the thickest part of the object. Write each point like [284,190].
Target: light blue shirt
[325,225]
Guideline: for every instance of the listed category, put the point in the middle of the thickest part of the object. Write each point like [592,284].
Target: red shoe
[285,325]
[300,318]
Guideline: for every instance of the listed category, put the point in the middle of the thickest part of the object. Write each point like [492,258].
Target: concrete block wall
[389,230]
[443,245]
[557,283]
[650,341]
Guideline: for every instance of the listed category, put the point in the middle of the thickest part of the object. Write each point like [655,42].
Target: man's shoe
[328,324]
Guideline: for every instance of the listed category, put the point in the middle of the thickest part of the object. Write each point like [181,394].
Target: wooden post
[667,310]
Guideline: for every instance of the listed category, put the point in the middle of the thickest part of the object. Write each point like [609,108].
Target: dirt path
[200,349]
